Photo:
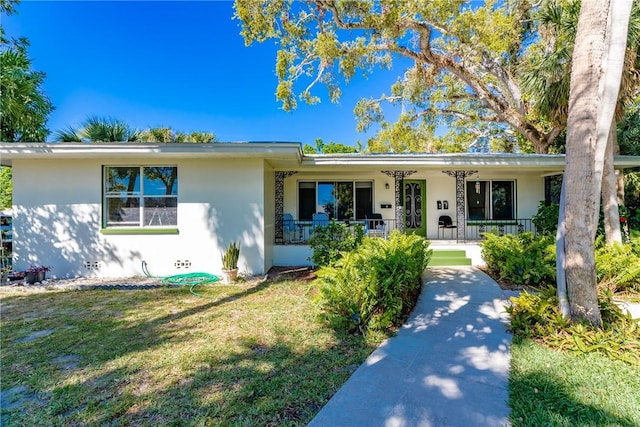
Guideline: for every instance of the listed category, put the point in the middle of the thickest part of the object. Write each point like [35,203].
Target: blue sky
[178,64]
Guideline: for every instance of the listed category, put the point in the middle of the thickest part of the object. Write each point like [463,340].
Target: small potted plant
[230,262]
[36,273]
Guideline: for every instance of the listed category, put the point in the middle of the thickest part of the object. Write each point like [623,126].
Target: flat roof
[286,155]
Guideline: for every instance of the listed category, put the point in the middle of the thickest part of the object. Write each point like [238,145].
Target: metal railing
[298,232]
[475,228]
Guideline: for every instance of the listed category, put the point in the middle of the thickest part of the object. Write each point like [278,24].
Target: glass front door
[415,192]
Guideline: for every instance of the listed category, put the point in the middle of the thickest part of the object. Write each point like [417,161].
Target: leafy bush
[618,267]
[523,258]
[374,287]
[537,316]
[331,241]
[546,219]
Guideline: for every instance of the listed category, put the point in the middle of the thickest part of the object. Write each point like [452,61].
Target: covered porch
[449,206]
[443,197]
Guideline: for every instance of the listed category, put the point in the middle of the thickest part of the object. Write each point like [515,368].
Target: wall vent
[92,265]
[182,264]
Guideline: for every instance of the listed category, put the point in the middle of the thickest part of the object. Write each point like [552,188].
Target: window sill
[125,230]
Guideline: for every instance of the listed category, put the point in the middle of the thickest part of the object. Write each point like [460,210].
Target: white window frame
[140,195]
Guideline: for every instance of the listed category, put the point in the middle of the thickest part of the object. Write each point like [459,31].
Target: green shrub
[618,267]
[329,242]
[537,316]
[523,258]
[374,287]
[546,219]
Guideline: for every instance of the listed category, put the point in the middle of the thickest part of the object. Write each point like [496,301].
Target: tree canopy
[24,106]
[329,148]
[463,60]
[99,129]
[474,68]
[166,134]
[109,129]
[6,187]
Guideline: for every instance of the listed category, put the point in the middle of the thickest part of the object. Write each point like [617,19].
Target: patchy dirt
[278,274]
[275,274]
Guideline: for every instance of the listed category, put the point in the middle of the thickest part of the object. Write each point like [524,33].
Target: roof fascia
[265,150]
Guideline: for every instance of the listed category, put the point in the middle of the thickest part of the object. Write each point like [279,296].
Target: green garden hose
[188,279]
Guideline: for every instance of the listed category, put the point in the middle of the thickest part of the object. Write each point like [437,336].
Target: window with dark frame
[140,196]
[494,200]
[341,200]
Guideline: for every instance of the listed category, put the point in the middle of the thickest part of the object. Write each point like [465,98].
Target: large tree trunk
[609,195]
[595,81]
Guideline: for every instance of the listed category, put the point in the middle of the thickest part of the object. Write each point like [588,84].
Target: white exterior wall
[58,217]
[529,193]
[269,217]
[439,187]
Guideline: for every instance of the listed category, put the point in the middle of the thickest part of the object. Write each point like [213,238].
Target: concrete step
[449,257]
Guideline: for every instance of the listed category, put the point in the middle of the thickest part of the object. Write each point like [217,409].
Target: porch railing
[475,228]
[297,232]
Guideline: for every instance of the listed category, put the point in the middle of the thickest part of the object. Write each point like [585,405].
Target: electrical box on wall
[385,205]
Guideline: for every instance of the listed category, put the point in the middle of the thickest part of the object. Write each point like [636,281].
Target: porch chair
[289,228]
[319,219]
[374,226]
[445,222]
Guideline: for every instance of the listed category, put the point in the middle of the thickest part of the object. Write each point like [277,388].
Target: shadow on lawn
[262,385]
[257,385]
[548,402]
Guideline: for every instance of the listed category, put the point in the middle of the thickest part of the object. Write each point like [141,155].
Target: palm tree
[597,62]
[547,80]
[158,134]
[24,105]
[99,129]
[68,135]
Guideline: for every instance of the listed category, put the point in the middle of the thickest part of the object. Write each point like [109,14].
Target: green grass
[240,355]
[549,388]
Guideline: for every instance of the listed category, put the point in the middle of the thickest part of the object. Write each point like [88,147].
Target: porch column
[398,177]
[279,196]
[460,200]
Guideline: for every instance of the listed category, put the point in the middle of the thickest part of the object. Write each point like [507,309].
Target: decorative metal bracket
[398,177]
[279,196]
[460,200]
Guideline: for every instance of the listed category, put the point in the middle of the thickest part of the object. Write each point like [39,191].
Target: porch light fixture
[386,185]
[477,186]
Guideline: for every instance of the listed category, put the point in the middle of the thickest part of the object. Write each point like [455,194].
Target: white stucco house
[100,209]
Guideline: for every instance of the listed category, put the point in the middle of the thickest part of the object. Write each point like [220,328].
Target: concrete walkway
[447,366]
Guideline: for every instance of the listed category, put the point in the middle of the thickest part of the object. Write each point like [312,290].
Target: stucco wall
[58,214]
[269,216]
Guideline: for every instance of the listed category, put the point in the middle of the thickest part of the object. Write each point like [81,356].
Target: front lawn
[249,354]
[552,388]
